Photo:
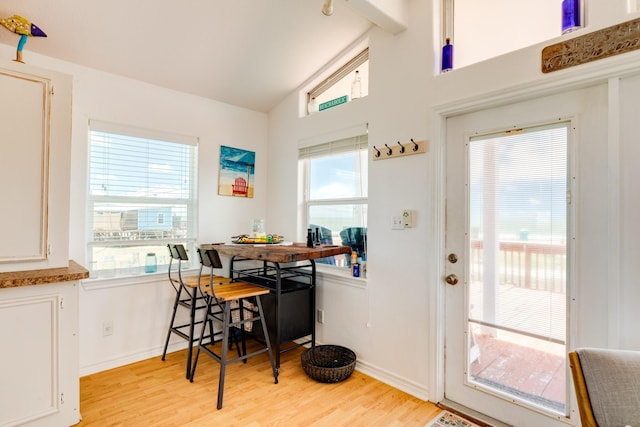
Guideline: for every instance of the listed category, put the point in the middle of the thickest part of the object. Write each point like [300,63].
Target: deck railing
[525,264]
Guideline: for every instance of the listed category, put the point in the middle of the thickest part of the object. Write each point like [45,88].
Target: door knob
[453,258]
[451,279]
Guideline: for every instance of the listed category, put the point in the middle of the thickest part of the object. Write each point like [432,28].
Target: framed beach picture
[236,173]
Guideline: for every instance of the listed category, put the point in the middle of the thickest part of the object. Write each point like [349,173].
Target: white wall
[140,310]
[393,322]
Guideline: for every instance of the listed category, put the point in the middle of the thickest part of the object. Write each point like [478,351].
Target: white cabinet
[39,367]
[35,141]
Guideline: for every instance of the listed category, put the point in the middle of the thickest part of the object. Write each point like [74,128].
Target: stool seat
[224,296]
[234,291]
[195,280]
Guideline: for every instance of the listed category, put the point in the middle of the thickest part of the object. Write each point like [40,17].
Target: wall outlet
[397,223]
[107,328]
[320,316]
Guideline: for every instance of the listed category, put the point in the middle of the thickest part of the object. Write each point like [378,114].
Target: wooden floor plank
[156,393]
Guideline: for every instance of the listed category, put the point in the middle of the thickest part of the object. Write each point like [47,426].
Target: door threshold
[475,416]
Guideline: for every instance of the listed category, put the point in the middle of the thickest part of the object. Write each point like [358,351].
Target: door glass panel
[517,264]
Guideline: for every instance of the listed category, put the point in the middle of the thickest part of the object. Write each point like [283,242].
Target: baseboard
[410,387]
[382,375]
[129,358]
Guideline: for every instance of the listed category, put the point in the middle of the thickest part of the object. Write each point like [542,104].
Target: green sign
[333,103]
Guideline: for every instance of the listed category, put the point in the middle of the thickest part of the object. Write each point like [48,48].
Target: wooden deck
[530,368]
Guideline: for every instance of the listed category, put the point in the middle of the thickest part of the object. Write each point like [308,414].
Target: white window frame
[139,243]
[339,146]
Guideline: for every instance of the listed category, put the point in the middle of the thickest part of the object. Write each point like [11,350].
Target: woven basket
[328,363]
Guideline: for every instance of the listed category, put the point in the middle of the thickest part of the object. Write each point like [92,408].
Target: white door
[510,189]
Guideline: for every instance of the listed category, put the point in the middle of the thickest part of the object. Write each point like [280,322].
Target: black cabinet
[290,305]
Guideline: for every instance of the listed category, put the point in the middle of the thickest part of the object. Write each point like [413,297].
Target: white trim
[437,292]
[564,80]
[614,214]
[128,130]
[344,133]
[126,359]
[94,284]
[408,386]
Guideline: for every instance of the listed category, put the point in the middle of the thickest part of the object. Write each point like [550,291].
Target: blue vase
[151,263]
[447,56]
[571,16]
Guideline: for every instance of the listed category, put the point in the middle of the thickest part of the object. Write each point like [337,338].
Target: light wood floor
[156,393]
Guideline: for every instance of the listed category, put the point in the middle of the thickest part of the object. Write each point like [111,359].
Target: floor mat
[449,419]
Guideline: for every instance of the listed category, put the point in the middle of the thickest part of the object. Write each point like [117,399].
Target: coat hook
[389,150]
[377,153]
[415,145]
[401,147]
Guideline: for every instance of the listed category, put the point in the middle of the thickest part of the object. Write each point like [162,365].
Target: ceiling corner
[390,15]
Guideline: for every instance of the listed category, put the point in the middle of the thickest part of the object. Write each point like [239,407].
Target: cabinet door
[24,150]
[39,373]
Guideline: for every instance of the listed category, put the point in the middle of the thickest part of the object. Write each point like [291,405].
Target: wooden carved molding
[614,40]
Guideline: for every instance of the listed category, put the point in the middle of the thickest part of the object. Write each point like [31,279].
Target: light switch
[407,218]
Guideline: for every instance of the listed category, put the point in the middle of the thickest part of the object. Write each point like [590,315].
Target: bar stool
[223,295]
[187,296]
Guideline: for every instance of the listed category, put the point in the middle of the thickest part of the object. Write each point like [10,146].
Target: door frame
[438,291]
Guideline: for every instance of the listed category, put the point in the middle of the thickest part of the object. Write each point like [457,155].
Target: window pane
[490,28]
[338,217]
[339,176]
[518,264]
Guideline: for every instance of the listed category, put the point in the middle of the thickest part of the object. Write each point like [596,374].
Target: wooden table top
[279,253]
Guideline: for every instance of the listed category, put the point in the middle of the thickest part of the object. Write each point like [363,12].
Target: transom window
[486,29]
[349,82]
[142,195]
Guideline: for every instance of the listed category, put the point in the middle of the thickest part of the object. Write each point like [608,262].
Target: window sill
[340,276]
[134,280]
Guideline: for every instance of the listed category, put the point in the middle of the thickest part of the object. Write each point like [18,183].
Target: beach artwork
[236,173]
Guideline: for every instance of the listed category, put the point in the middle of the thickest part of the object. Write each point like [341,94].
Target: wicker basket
[328,363]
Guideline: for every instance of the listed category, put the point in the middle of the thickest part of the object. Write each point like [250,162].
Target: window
[335,193]
[142,195]
[484,30]
[349,82]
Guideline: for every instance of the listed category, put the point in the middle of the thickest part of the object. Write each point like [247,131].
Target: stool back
[210,259]
[179,254]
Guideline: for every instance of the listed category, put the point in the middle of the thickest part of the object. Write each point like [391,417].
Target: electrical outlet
[107,328]
[320,316]
[397,223]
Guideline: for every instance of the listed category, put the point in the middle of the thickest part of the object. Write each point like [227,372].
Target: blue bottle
[447,56]
[571,17]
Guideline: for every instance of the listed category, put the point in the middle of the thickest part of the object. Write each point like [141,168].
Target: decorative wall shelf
[399,149]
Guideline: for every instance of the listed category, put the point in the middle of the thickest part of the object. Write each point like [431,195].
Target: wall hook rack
[400,150]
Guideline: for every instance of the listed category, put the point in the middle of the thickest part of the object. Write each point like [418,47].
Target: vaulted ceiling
[250,53]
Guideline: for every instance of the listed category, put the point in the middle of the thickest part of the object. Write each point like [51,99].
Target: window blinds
[142,184]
